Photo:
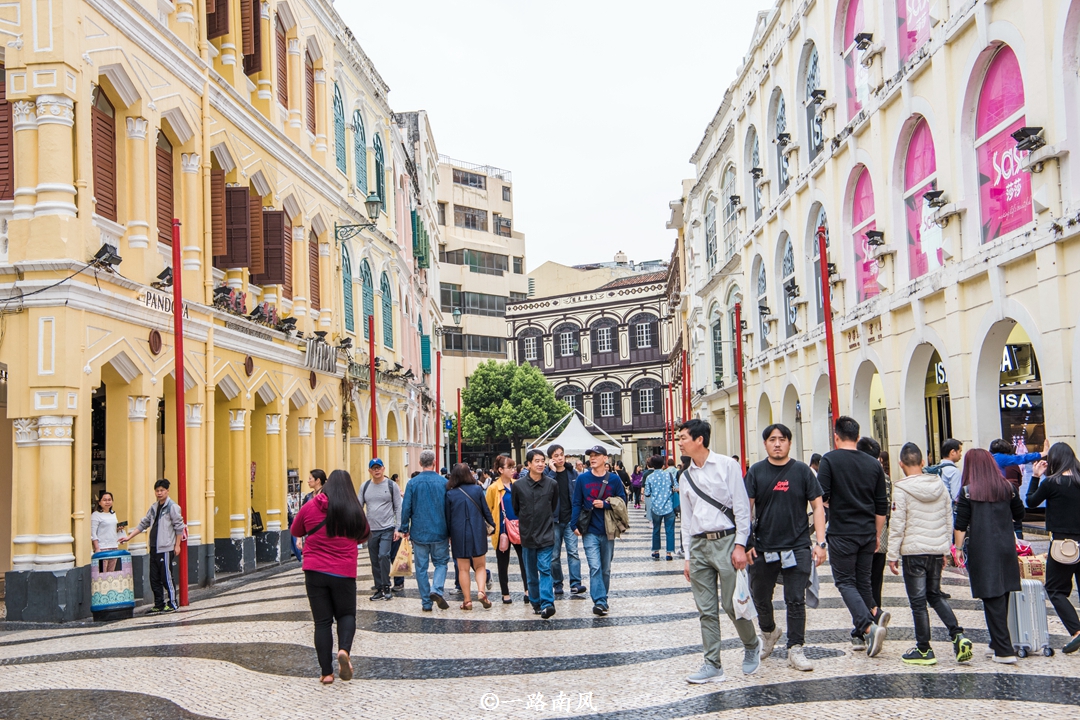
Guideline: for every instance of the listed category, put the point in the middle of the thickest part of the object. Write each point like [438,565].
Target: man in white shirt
[715,527]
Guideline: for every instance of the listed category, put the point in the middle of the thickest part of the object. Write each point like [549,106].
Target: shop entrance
[879,420]
[1020,393]
[938,408]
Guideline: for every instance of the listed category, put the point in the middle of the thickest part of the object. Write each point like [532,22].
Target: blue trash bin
[112,592]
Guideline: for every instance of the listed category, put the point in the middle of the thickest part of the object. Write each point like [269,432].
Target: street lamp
[457,316]
[373,204]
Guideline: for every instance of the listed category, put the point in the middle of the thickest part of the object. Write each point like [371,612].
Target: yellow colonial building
[265,129]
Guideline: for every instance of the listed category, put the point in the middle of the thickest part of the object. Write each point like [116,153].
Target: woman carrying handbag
[506,536]
[470,523]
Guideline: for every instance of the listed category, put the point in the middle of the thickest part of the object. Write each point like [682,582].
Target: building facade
[606,353]
[265,129]
[482,268]
[930,144]
[552,278]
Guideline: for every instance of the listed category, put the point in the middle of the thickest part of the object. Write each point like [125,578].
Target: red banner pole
[181,406]
[826,303]
[686,388]
[371,389]
[670,434]
[459,425]
[739,375]
[438,408]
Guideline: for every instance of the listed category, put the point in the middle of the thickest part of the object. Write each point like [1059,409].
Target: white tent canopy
[575,438]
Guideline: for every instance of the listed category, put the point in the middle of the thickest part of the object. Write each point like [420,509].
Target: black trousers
[762,584]
[922,579]
[162,582]
[503,559]
[380,545]
[852,559]
[636,492]
[331,598]
[996,610]
[877,577]
[1059,586]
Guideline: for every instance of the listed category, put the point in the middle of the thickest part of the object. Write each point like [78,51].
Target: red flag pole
[686,388]
[669,439]
[371,368]
[181,408]
[826,303]
[459,425]
[438,407]
[739,375]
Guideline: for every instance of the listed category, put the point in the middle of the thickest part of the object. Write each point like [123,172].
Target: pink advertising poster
[913,19]
[923,235]
[862,220]
[1004,189]
[853,24]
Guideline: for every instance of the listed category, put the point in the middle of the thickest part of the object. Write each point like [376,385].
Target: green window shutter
[425,353]
[368,294]
[416,241]
[387,312]
[380,170]
[346,282]
[360,154]
[339,130]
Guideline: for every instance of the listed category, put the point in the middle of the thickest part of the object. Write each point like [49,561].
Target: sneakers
[796,658]
[768,641]
[377,596]
[168,609]
[599,610]
[875,639]
[1072,646]
[751,658]
[858,644]
[558,590]
[963,648]
[387,595]
[547,612]
[915,656]
[1005,659]
[883,618]
[578,590]
[155,610]
[439,600]
[707,674]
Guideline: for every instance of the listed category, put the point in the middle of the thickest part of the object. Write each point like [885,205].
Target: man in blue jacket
[423,522]
[593,490]
[564,475]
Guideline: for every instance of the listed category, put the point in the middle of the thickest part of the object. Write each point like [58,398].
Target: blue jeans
[598,552]
[669,528]
[538,575]
[439,554]
[564,534]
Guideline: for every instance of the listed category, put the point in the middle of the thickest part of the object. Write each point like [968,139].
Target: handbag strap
[475,505]
[728,512]
[315,529]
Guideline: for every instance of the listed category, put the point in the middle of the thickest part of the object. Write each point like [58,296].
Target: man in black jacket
[565,475]
[536,500]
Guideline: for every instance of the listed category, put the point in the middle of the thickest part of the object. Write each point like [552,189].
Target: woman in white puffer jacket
[919,533]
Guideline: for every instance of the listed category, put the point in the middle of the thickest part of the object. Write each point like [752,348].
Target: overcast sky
[594,105]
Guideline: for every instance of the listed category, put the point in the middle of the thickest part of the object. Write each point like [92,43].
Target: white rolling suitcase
[1028,628]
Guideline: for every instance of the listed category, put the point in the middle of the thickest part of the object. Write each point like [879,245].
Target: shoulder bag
[513,527]
[1065,551]
[586,512]
[489,526]
[728,512]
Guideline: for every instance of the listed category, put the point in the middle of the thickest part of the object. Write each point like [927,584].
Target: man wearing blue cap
[381,501]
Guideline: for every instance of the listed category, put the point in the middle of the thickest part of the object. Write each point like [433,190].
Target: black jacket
[535,503]
[992,565]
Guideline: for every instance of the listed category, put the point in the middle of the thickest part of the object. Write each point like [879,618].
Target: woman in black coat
[467,520]
[986,508]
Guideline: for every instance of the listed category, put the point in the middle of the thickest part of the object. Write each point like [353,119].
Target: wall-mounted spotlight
[756,173]
[345,343]
[164,279]
[743,325]
[763,310]
[817,96]
[106,256]
[735,200]
[831,267]
[875,238]
[791,288]
[321,335]
[935,198]
[783,139]
[222,291]
[1029,139]
[864,40]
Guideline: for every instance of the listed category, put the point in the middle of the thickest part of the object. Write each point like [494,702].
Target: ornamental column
[275,496]
[190,235]
[326,280]
[239,475]
[25,493]
[138,228]
[55,146]
[296,91]
[330,445]
[137,471]
[304,428]
[24,123]
[320,116]
[300,284]
[55,544]
[196,474]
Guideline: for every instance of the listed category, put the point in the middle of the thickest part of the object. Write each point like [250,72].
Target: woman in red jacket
[332,523]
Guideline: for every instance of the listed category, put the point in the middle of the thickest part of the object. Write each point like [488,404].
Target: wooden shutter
[7,144]
[217,18]
[103,129]
[273,224]
[309,92]
[165,195]
[654,333]
[313,272]
[282,49]
[217,212]
[252,40]
[258,259]
[237,230]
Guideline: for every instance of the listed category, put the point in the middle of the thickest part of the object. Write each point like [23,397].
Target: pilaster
[196,473]
[24,123]
[191,182]
[25,493]
[138,472]
[296,91]
[55,189]
[138,227]
[320,116]
[304,430]
[239,474]
[276,489]
[55,543]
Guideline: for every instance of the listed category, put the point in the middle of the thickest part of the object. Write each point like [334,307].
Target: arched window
[1004,189]
[367,294]
[572,395]
[566,338]
[309,92]
[380,170]
[387,311]
[716,326]
[644,336]
[605,341]
[165,189]
[763,303]
[780,126]
[734,298]
[710,231]
[647,400]
[814,132]
[787,283]
[314,279]
[755,171]
[862,222]
[530,346]
[339,131]
[606,404]
[103,122]
[360,154]
[281,52]
[346,286]
[821,223]
[920,175]
[856,76]
[730,207]
[913,26]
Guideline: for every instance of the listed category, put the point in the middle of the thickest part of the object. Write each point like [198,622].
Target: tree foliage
[510,402]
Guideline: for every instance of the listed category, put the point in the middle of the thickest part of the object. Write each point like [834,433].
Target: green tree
[510,402]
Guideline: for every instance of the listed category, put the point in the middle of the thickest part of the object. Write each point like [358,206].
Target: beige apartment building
[481,271]
[931,144]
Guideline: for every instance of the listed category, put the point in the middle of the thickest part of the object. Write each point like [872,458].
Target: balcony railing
[488,170]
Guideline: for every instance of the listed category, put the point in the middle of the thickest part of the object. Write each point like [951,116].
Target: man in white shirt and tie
[715,527]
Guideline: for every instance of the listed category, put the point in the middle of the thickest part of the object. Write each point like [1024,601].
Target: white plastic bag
[744,603]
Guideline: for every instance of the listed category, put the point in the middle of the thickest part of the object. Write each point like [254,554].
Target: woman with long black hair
[333,523]
[1057,481]
[985,509]
[466,514]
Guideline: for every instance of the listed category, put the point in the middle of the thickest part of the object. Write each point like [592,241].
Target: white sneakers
[768,642]
[796,658]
